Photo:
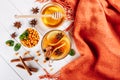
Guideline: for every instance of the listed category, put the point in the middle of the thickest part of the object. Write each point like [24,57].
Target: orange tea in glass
[56,44]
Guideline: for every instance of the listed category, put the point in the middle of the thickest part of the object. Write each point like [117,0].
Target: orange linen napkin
[97,36]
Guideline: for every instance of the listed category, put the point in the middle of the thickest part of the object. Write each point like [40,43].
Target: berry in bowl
[55,45]
[29,38]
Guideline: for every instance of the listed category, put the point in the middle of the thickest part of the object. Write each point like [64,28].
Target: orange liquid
[50,22]
[63,44]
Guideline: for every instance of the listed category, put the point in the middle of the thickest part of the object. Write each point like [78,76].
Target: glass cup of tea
[55,44]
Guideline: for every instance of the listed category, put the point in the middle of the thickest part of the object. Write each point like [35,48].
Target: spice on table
[38,53]
[17,46]
[30,68]
[17,24]
[10,43]
[35,10]
[16,54]
[26,53]
[24,59]
[25,66]
[33,22]
[36,60]
[14,35]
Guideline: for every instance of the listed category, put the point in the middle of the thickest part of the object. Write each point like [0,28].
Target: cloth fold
[97,37]
[96,33]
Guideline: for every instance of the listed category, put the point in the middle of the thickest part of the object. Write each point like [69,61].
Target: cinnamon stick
[31,69]
[24,59]
[25,66]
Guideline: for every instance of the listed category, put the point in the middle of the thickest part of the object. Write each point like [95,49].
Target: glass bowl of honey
[55,45]
[57,13]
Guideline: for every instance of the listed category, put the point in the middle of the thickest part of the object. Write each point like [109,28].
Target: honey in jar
[49,9]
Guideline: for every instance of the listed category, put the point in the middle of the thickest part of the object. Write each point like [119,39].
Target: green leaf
[10,43]
[17,46]
[72,52]
[24,35]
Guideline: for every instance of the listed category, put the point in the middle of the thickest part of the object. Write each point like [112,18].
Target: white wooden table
[8,70]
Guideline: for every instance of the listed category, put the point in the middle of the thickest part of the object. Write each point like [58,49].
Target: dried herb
[17,24]
[10,43]
[17,46]
[58,52]
[35,10]
[72,52]
[59,36]
[33,22]
[24,35]
[14,35]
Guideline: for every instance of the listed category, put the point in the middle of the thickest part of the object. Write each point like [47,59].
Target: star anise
[59,36]
[35,10]
[17,24]
[33,22]
[58,52]
[14,35]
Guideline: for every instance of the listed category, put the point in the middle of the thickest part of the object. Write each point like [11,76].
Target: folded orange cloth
[97,36]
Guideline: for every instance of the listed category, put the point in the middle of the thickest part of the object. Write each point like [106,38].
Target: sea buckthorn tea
[56,44]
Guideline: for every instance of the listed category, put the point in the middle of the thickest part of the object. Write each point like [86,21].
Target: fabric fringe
[49,76]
